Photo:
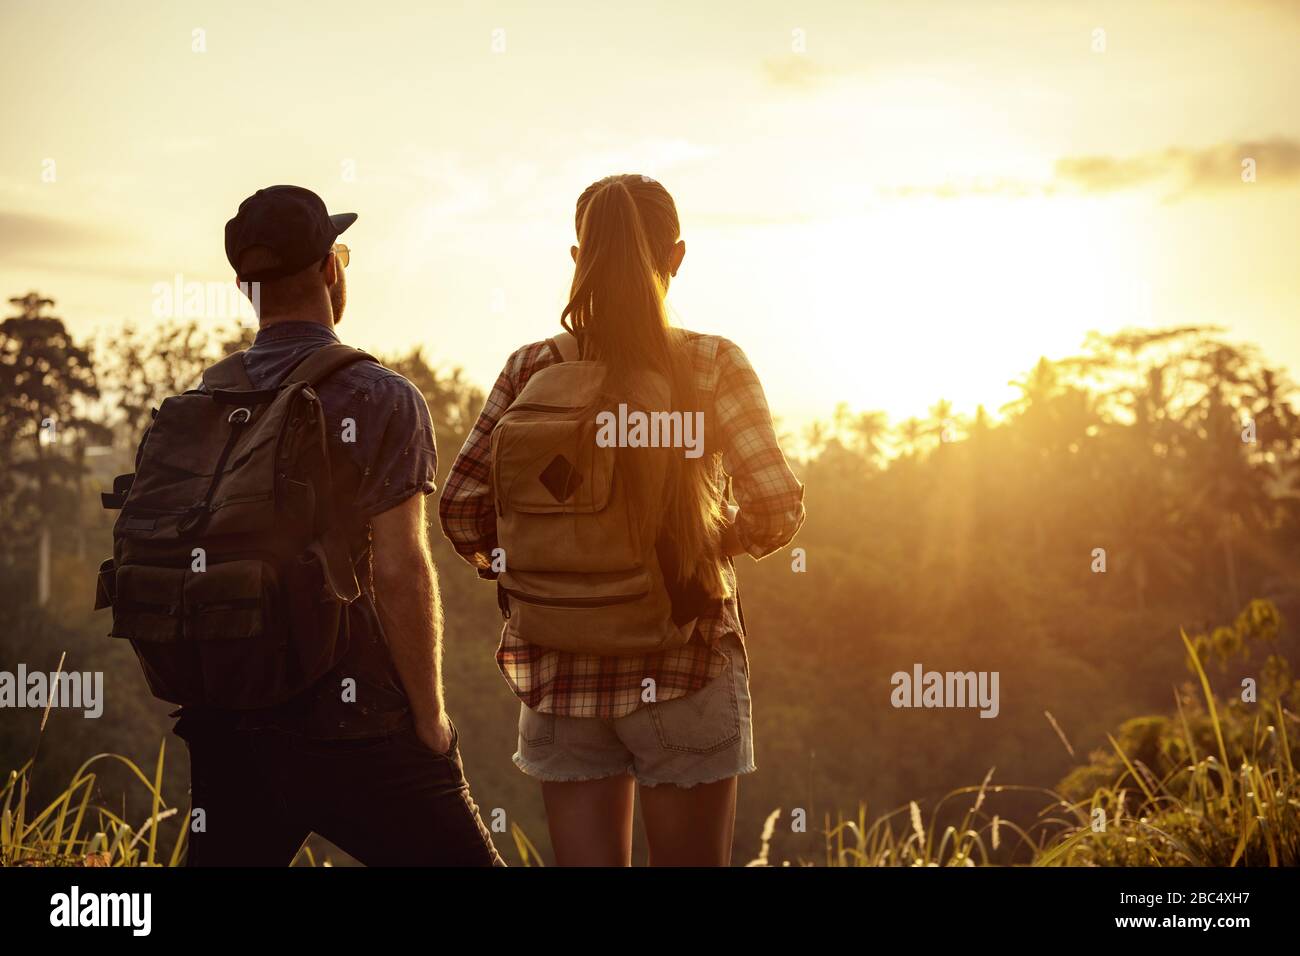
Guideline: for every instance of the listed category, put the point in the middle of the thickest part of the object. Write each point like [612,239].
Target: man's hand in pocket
[436,734]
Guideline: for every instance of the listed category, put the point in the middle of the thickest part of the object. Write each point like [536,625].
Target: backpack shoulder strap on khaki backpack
[228,374]
[564,347]
[324,362]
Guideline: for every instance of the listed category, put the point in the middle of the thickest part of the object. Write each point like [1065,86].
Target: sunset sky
[883,203]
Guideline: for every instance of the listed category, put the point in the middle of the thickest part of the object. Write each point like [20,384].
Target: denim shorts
[700,738]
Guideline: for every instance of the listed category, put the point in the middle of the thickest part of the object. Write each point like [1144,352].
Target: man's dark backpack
[230,573]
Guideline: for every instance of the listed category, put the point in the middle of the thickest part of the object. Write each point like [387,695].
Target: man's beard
[338,299]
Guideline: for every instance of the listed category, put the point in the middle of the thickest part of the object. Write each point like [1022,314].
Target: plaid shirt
[769,496]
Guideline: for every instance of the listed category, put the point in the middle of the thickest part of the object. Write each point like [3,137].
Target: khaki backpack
[579,575]
[230,573]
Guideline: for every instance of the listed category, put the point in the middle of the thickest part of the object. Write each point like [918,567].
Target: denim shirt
[389,455]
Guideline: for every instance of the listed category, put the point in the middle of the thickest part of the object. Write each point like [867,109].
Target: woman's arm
[769,496]
[467,509]
[731,544]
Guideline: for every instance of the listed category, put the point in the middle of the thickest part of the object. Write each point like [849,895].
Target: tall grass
[70,831]
[1239,806]
[1236,806]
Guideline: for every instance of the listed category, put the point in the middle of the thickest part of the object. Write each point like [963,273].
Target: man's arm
[410,610]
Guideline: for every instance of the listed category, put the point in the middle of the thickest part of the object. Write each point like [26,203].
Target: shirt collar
[294,330]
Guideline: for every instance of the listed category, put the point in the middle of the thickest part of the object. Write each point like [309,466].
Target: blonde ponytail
[627,227]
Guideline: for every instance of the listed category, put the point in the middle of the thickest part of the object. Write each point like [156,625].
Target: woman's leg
[590,820]
[690,826]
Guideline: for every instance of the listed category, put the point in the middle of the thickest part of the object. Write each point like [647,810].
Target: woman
[676,721]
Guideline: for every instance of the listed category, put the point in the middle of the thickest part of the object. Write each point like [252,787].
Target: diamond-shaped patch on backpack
[560,478]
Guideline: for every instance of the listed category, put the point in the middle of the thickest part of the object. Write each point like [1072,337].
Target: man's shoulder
[370,375]
[369,390]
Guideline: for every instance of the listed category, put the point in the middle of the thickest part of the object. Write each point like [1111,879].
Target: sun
[915,300]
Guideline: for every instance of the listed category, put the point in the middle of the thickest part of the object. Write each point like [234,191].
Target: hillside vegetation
[963,544]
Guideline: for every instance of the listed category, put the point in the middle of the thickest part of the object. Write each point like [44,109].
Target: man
[367,757]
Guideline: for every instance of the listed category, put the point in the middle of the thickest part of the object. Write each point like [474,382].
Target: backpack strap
[324,362]
[564,347]
[335,554]
[228,374]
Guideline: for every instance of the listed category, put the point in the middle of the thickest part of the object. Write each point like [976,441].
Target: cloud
[44,242]
[21,234]
[795,71]
[1179,171]
[995,186]
[1276,162]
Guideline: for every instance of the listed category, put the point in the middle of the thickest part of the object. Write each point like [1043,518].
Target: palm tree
[910,433]
[816,436]
[941,419]
[1037,389]
[868,430]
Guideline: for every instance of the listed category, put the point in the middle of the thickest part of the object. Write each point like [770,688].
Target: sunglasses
[342,252]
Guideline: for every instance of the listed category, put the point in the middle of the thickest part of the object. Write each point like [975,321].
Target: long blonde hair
[627,228]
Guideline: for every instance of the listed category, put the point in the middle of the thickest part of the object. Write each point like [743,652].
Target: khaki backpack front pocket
[559,506]
[614,614]
[551,467]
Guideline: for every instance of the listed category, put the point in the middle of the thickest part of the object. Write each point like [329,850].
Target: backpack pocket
[148,603]
[232,600]
[246,657]
[559,507]
[106,584]
[551,467]
[616,614]
[218,637]
[149,611]
[550,589]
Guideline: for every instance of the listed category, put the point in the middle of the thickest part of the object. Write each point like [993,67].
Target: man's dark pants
[387,801]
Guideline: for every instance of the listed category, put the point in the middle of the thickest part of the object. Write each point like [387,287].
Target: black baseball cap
[290,221]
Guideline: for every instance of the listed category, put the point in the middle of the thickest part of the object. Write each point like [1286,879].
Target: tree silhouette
[46,383]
